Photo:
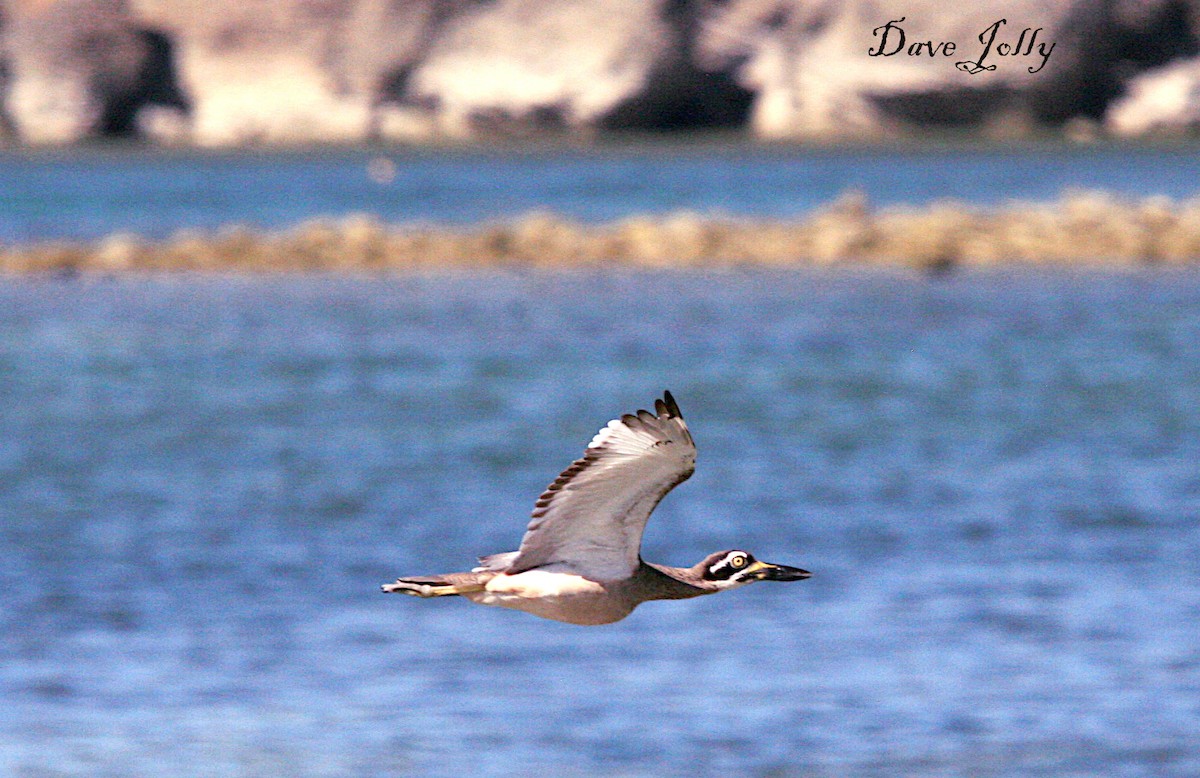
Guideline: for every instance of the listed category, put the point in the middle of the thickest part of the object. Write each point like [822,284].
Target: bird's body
[557,592]
[580,560]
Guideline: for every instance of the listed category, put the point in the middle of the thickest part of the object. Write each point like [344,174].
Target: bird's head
[727,569]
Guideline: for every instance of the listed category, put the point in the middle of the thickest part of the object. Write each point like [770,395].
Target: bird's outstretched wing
[592,517]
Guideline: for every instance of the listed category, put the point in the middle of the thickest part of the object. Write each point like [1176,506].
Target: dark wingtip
[634,421]
[669,405]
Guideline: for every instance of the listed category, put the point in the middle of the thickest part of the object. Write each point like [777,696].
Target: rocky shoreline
[287,72]
[1083,229]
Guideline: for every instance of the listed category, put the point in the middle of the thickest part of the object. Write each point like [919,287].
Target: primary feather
[591,518]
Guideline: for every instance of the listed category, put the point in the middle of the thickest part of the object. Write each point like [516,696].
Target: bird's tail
[436,585]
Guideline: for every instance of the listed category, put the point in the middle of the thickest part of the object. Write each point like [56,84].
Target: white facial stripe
[727,561]
[723,563]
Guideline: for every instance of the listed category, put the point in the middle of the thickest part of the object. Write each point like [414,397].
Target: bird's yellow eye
[738,561]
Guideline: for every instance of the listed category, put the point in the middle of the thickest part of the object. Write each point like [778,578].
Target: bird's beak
[765,571]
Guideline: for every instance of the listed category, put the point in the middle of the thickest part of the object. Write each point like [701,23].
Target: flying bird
[580,560]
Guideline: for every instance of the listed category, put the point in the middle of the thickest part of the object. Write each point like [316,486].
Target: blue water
[85,195]
[993,477]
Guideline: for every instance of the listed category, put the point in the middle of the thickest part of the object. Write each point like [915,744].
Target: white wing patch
[618,438]
[591,518]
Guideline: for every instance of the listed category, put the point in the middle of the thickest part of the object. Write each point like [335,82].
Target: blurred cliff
[301,71]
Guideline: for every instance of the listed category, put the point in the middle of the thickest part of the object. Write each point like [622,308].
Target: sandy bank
[1088,228]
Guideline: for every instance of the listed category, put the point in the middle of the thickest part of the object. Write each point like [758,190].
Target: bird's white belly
[553,595]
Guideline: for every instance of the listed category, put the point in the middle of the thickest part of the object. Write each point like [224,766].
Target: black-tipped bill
[770,572]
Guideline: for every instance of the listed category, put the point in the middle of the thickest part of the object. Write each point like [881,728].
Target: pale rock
[67,58]
[807,61]
[164,124]
[398,123]
[118,251]
[289,71]
[567,62]
[1163,99]
[287,100]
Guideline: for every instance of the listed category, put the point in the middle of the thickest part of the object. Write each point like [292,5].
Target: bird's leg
[431,586]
